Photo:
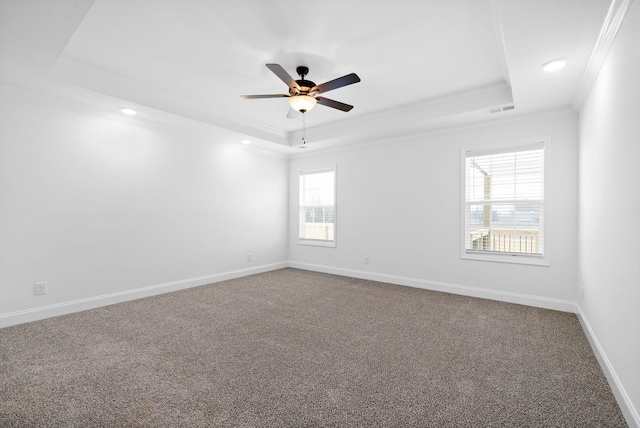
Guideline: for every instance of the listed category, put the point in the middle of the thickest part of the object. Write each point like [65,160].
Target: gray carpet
[292,348]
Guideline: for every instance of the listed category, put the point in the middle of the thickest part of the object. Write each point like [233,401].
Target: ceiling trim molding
[491,89]
[541,115]
[610,28]
[86,76]
[497,27]
[71,71]
[105,114]
[73,106]
[183,125]
[485,97]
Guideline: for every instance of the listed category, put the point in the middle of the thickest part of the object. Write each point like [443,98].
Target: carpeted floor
[292,348]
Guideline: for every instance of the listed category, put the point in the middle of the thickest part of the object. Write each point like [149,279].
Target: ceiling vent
[501,109]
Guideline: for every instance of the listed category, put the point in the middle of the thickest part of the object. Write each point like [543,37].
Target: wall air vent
[501,109]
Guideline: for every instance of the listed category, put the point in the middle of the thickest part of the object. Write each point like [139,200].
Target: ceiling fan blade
[283,75]
[292,114]
[349,79]
[334,104]
[253,97]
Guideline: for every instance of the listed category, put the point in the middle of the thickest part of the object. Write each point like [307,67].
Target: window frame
[320,242]
[505,257]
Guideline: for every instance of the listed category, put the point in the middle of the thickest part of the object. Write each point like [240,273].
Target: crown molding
[429,104]
[608,32]
[499,33]
[34,95]
[173,123]
[443,130]
[199,129]
[82,75]
[485,97]
[77,73]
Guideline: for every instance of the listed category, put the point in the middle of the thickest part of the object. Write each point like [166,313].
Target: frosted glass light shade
[302,103]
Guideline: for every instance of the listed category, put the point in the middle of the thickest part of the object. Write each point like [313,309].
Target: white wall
[609,209]
[96,206]
[409,193]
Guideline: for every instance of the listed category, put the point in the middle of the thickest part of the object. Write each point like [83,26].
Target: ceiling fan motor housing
[304,87]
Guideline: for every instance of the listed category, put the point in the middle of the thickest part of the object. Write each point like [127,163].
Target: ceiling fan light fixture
[302,92]
[302,103]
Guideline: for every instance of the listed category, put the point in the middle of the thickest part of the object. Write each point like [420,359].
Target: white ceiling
[424,64]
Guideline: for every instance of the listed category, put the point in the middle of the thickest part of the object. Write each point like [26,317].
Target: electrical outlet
[367,260]
[40,288]
[249,257]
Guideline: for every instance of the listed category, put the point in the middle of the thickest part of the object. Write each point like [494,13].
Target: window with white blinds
[317,215]
[504,205]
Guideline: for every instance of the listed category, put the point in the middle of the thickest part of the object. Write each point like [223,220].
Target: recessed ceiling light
[554,65]
[128,111]
[245,141]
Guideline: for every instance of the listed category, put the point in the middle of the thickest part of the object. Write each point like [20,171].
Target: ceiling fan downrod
[302,71]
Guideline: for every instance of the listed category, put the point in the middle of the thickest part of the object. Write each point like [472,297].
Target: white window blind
[504,201]
[317,217]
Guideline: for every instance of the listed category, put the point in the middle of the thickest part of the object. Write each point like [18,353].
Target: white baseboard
[42,312]
[626,406]
[464,290]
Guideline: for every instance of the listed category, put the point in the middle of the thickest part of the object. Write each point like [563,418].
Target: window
[317,217]
[504,207]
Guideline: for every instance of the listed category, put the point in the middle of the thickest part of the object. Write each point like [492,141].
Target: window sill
[507,258]
[317,243]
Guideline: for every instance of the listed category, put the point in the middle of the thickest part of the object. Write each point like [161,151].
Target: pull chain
[304,129]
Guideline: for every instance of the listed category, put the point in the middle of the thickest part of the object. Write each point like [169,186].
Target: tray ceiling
[423,64]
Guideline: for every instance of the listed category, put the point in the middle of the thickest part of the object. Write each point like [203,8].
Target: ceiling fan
[303,94]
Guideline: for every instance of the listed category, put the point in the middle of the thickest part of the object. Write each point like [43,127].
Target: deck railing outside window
[509,241]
